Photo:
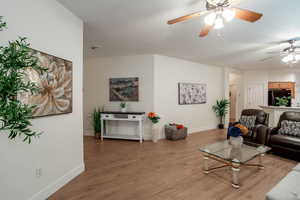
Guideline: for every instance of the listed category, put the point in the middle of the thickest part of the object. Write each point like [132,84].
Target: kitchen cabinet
[283,85]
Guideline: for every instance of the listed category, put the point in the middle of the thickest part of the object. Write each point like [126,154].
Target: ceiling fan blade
[210,6]
[186,17]
[274,52]
[247,15]
[265,59]
[205,30]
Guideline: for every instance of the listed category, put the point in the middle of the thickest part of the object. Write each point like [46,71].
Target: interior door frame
[265,89]
[236,101]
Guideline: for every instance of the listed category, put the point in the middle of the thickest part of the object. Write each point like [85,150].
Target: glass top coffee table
[232,157]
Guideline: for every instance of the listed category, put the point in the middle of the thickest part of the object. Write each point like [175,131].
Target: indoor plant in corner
[154,118]
[96,119]
[15,59]
[221,109]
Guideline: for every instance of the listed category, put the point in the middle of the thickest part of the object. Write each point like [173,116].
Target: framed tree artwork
[124,89]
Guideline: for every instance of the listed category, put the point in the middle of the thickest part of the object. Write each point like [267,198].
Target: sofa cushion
[248,121]
[290,128]
[287,189]
[285,141]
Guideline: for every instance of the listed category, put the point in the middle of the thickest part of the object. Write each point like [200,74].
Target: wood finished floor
[127,170]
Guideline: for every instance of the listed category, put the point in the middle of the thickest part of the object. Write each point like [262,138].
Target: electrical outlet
[38,172]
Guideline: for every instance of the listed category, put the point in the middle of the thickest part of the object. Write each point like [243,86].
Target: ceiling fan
[217,12]
[290,55]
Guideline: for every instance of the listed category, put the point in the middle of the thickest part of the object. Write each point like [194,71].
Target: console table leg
[205,164]
[102,129]
[141,131]
[235,175]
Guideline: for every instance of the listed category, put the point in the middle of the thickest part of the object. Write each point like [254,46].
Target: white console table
[122,116]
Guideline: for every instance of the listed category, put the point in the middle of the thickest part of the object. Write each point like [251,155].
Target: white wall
[59,151]
[159,78]
[96,88]
[236,81]
[168,72]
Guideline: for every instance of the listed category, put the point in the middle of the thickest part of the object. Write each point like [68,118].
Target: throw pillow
[290,128]
[248,121]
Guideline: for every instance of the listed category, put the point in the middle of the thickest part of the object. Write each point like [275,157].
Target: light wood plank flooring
[127,170]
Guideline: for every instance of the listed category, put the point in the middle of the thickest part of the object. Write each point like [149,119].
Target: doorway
[255,96]
[233,103]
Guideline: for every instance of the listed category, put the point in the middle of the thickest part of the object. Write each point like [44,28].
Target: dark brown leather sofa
[259,133]
[285,145]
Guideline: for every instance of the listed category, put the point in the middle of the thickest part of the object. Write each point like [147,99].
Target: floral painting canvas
[192,93]
[55,96]
[124,89]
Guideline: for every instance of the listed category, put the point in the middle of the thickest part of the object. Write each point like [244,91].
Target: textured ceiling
[129,27]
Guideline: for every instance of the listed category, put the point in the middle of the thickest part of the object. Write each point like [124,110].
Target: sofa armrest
[271,131]
[255,129]
[262,134]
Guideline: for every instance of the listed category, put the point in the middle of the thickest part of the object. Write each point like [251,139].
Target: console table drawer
[135,117]
[107,116]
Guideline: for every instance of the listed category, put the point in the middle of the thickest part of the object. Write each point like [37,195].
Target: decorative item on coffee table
[154,118]
[175,131]
[221,110]
[236,139]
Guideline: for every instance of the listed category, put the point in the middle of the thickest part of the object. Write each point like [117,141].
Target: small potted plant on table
[123,106]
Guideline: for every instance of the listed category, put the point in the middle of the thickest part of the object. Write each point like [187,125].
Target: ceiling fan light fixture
[286,59]
[210,19]
[219,23]
[291,58]
[228,14]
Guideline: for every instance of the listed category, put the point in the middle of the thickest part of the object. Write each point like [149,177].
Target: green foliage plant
[282,101]
[96,120]
[15,117]
[221,109]
[123,104]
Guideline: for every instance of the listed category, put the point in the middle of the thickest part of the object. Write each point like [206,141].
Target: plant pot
[124,109]
[155,133]
[221,126]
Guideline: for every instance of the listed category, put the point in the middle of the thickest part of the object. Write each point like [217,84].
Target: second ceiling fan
[217,12]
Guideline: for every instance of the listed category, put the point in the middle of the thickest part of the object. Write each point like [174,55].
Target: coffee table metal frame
[235,165]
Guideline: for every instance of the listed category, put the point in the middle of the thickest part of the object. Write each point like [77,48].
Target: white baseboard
[88,133]
[91,133]
[56,185]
